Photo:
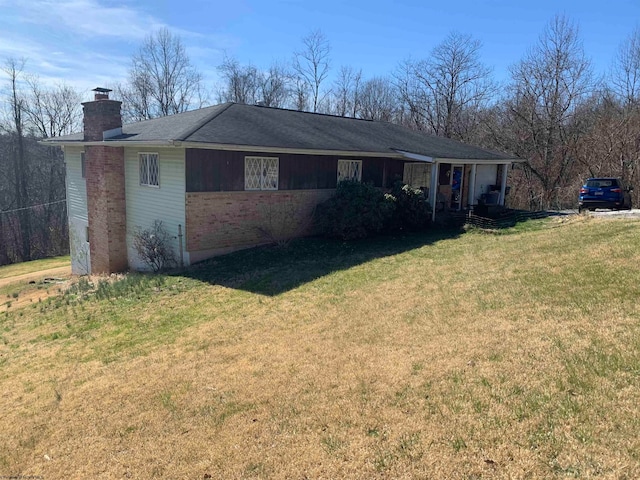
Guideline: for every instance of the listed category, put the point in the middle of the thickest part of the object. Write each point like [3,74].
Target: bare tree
[17,104]
[347,91]
[443,89]
[378,100]
[241,83]
[548,86]
[611,119]
[275,86]
[311,65]
[162,80]
[625,76]
[32,179]
[300,94]
[53,112]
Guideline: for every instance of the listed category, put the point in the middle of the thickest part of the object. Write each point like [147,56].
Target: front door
[457,179]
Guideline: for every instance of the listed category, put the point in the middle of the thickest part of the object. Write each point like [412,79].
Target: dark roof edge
[190,131]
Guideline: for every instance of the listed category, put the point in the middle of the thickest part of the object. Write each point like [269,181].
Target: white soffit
[415,156]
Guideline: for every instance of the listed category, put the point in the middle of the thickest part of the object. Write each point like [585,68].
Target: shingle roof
[256,126]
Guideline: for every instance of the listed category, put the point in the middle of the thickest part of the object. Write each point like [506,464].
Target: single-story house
[228,176]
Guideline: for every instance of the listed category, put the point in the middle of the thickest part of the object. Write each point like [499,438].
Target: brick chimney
[105,186]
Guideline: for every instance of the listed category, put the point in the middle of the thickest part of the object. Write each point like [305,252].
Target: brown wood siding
[307,172]
[223,171]
[445,174]
[395,172]
[214,171]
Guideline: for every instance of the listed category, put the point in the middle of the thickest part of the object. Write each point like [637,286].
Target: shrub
[153,246]
[357,210]
[412,210]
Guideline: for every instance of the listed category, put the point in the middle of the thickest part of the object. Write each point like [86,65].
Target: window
[602,183]
[261,173]
[149,171]
[349,170]
[83,165]
[417,175]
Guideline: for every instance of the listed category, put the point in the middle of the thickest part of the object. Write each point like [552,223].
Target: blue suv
[604,193]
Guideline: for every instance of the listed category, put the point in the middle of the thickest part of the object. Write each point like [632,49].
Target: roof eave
[392,153]
[108,143]
[300,151]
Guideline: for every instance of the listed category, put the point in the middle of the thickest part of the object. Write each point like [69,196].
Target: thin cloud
[89,18]
[85,43]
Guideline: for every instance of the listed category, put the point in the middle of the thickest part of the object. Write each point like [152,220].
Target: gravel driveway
[602,213]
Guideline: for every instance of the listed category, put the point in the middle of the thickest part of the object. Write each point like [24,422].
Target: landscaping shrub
[357,210]
[153,246]
[412,210]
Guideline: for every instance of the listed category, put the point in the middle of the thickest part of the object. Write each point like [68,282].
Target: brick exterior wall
[106,209]
[106,203]
[218,222]
[100,116]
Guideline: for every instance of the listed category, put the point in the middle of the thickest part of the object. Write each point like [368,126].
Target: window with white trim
[261,173]
[83,165]
[149,169]
[349,170]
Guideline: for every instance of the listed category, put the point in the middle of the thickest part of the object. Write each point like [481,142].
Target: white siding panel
[79,247]
[485,177]
[77,212]
[146,204]
[76,185]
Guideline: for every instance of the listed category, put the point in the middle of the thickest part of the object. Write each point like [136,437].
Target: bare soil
[34,287]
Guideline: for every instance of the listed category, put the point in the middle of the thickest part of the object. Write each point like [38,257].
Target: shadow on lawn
[273,270]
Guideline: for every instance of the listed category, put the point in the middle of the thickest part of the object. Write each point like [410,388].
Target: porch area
[460,185]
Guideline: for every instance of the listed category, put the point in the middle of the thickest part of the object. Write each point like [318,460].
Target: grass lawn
[426,356]
[33,266]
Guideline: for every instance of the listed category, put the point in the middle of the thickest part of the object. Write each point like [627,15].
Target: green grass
[438,355]
[33,266]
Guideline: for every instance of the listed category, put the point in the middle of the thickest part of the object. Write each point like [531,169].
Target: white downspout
[503,185]
[433,194]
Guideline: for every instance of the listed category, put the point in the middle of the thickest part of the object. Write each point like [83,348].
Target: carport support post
[472,186]
[435,172]
[503,185]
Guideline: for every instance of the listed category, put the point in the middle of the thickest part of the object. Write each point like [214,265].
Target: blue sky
[86,43]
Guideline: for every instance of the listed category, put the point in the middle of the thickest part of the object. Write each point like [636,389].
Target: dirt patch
[34,287]
[57,272]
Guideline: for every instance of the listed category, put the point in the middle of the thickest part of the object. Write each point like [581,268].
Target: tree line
[553,111]
[33,214]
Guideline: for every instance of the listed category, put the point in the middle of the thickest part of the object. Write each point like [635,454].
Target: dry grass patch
[23,268]
[479,356]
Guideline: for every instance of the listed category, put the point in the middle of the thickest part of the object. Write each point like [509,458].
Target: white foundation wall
[166,203]
[77,211]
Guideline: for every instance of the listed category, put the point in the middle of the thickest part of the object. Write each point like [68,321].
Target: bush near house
[412,210]
[153,246]
[357,210]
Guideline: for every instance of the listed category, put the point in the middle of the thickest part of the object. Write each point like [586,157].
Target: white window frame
[145,171]
[83,165]
[261,173]
[354,173]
